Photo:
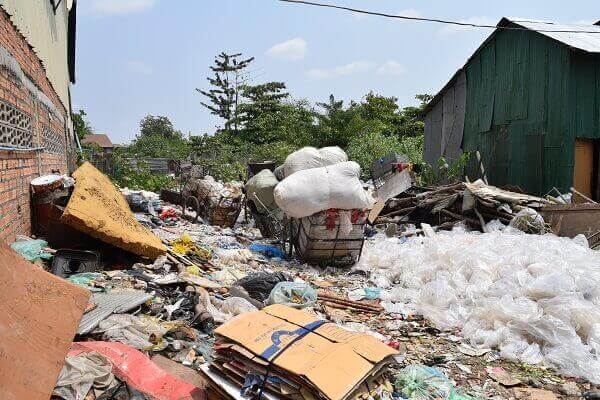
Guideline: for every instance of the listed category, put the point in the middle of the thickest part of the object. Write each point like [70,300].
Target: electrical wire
[436,20]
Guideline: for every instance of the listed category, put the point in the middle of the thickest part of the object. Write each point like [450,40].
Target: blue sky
[139,57]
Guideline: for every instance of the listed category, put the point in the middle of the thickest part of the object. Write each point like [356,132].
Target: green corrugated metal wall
[528,98]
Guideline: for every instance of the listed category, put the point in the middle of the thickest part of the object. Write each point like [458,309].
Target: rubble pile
[471,204]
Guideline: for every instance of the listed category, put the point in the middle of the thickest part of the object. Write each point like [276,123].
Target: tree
[80,124]
[224,97]
[261,112]
[159,125]
[412,121]
[158,138]
[336,126]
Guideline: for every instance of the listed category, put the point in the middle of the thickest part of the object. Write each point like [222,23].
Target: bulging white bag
[310,157]
[312,190]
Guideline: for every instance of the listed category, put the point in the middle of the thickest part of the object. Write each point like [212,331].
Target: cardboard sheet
[97,208]
[333,359]
[39,314]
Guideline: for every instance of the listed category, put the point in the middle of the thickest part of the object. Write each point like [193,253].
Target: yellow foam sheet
[333,359]
[98,209]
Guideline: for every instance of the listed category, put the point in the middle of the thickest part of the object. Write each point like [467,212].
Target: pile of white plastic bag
[534,298]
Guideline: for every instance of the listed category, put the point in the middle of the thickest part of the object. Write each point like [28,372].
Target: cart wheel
[193,201]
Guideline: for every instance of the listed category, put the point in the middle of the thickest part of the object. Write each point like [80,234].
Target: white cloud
[481,20]
[139,67]
[391,67]
[290,50]
[411,12]
[120,7]
[342,70]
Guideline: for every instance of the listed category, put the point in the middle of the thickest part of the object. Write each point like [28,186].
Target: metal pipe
[8,148]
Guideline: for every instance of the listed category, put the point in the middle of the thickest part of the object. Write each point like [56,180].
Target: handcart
[325,239]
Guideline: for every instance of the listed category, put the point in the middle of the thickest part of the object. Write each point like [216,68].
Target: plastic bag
[260,284]
[310,157]
[309,191]
[266,250]
[528,220]
[419,382]
[293,294]
[32,249]
[236,306]
[533,297]
[259,190]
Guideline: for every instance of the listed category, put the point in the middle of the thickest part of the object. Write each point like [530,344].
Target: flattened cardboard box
[333,359]
[97,208]
[39,314]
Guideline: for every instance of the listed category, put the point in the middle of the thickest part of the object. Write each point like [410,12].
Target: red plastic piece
[141,373]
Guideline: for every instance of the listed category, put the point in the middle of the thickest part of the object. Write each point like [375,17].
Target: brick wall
[19,107]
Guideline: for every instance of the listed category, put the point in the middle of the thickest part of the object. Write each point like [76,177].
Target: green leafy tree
[80,124]
[224,97]
[158,125]
[158,139]
[412,121]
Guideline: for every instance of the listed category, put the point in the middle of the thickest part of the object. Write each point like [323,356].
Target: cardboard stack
[289,354]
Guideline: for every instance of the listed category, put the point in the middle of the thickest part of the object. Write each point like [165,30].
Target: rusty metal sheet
[573,219]
[39,313]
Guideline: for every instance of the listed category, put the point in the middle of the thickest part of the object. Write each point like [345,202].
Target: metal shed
[528,101]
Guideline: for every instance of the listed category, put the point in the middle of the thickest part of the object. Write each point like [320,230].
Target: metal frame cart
[318,239]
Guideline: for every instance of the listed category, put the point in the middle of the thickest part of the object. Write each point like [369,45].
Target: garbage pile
[471,204]
[220,203]
[534,298]
[197,311]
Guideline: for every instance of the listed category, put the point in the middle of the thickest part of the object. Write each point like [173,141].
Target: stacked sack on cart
[325,202]
[219,202]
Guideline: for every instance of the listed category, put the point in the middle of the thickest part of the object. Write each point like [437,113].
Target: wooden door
[584,166]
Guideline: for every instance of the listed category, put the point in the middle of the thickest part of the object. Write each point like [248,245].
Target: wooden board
[584,166]
[39,314]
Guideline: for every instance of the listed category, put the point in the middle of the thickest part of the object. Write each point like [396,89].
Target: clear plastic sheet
[534,298]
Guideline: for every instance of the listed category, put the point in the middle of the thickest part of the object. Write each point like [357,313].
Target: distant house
[102,140]
[527,102]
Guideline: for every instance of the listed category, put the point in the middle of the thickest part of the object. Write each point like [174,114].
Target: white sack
[312,190]
[310,157]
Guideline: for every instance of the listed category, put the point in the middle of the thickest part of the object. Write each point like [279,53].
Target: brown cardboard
[39,314]
[333,359]
[97,208]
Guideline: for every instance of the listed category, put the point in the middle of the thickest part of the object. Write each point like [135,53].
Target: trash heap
[220,203]
[471,204]
[156,306]
[534,298]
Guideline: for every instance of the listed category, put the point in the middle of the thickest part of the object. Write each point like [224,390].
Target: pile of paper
[289,354]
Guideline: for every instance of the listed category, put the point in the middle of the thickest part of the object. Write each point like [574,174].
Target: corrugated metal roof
[110,303]
[584,40]
[587,38]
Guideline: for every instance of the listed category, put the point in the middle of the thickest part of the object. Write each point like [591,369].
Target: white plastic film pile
[535,298]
